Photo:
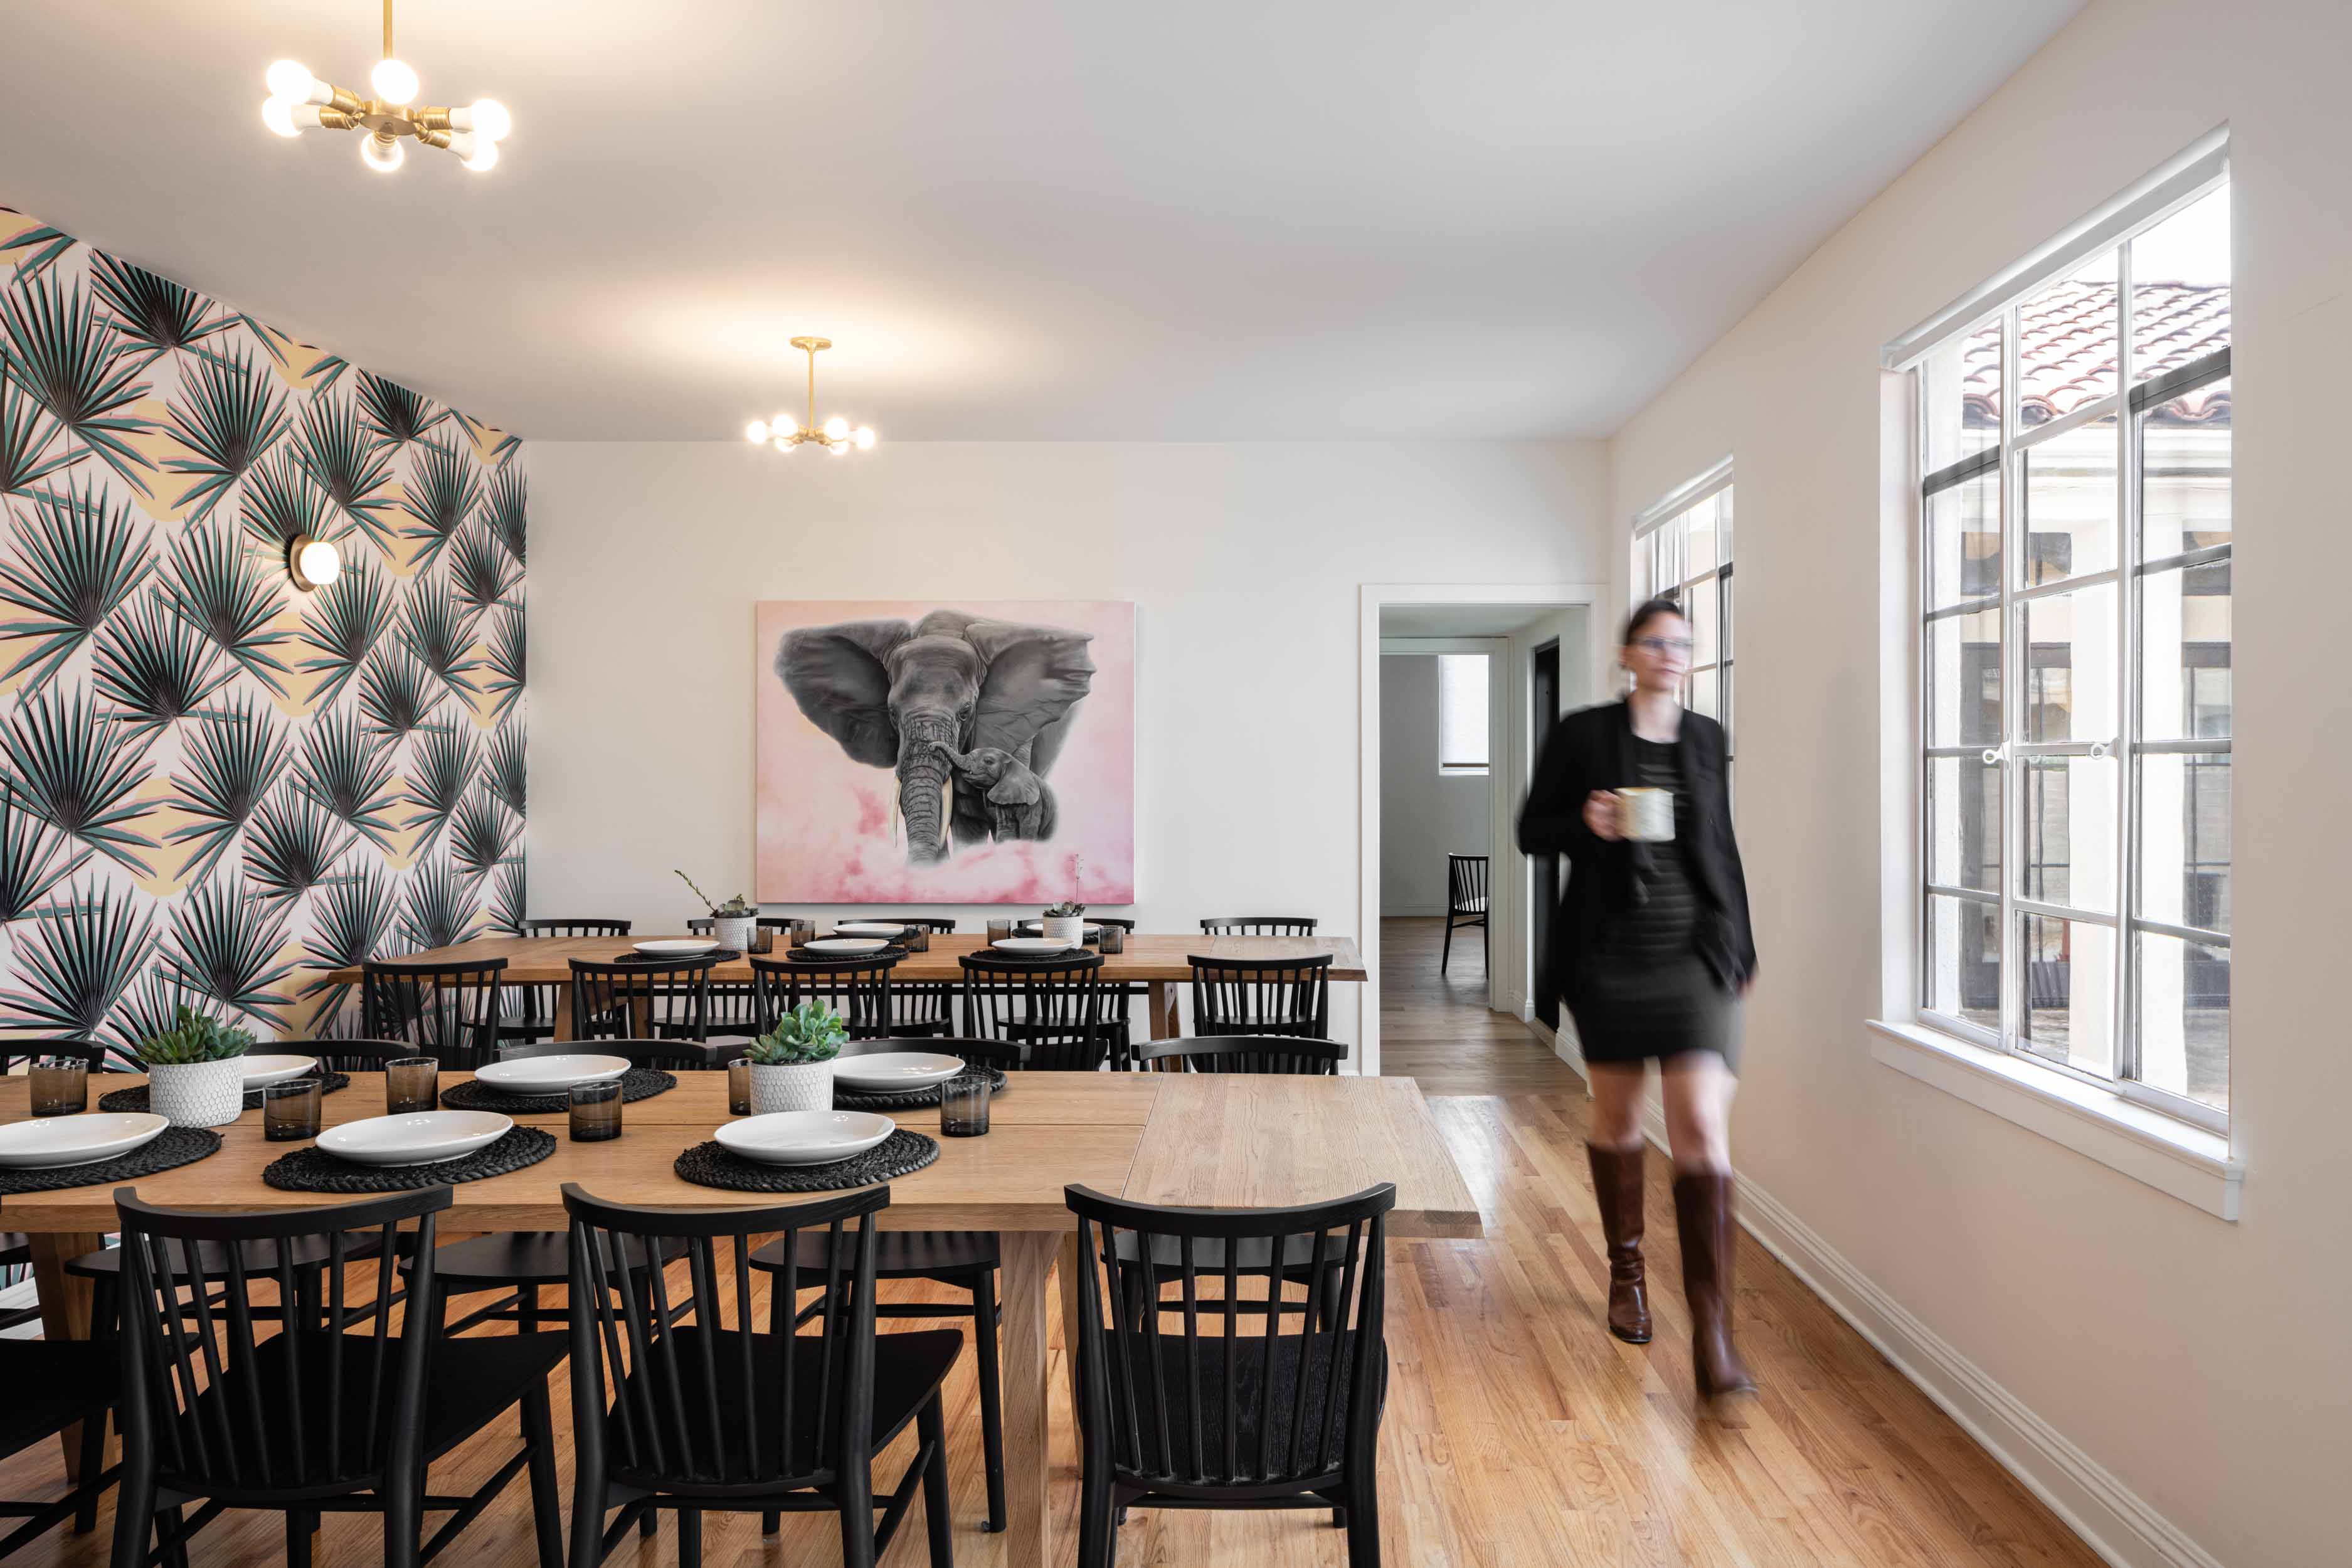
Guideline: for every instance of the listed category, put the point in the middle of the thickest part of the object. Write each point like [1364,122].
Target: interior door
[1545,703]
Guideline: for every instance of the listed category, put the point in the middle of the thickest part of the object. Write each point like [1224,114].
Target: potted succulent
[1066,922]
[193,1077]
[792,1064]
[732,923]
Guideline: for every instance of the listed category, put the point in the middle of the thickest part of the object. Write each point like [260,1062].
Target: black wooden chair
[1242,1053]
[1466,904]
[1289,996]
[1119,1003]
[445,1010]
[1171,1417]
[965,1260]
[361,1056]
[51,1384]
[733,1014]
[1259,925]
[1059,1007]
[529,1012]
[708,1413]
[919,1007]
[857,988]
[668,999]
[317,1417]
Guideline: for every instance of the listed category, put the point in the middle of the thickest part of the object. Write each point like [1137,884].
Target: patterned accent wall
[215,787]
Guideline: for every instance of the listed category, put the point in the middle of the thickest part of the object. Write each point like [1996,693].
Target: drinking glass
[800,933]
[915,939]
[739,1086]
[412,1084]
[1113,939]
[998,931]
[964,1107]
[293,1110]
[61,1085]
[597,1110]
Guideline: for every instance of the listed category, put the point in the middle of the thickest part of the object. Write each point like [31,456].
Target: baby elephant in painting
[1019,803]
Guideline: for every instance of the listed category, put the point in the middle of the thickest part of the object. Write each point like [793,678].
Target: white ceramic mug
[1647,814]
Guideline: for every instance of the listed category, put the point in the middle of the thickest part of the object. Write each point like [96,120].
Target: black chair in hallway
[1465,903]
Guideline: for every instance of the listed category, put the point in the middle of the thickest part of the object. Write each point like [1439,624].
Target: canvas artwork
[927,753]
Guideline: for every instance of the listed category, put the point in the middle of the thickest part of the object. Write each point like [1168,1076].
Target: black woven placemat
[714,1166]
[637,1083]
[168,1150]
[910,1099]
[313,1170]
[715,955]
[135,1096]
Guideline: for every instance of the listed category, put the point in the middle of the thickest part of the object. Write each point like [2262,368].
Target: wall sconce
[312,563]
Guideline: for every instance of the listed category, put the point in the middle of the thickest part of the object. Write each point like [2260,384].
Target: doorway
[1543,901]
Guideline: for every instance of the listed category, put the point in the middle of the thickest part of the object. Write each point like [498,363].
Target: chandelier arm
[336,120]
[346,102]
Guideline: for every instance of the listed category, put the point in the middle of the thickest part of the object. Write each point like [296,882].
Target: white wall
[1242,560]
[1424,816]
[2205,1365]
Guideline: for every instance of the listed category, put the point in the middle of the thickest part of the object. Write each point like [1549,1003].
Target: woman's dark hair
[1650,610]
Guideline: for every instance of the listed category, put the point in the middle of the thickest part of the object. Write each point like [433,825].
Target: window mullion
[2127,686]
[2012,685]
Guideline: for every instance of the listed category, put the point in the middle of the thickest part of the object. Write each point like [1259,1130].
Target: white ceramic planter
[734,931]
[1071,929]
[807,1086]
[197,1094]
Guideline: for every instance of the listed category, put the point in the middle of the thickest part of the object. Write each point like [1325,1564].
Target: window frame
[1673,509]
[2129,407]
[1446,770]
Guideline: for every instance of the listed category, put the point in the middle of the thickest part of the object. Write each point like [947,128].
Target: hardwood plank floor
[1517,1432]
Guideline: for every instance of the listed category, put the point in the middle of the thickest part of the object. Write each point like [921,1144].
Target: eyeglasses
[1661,645]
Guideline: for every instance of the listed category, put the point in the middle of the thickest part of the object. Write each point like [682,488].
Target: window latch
[2103,748]
[1996,755]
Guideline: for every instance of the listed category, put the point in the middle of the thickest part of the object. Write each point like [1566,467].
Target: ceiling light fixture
[835,436]
[298,100]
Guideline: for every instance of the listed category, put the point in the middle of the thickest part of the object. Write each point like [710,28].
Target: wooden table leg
[65,1306]
[1065,1270]
[563,1025]
[1167,1022]
[1028,1257]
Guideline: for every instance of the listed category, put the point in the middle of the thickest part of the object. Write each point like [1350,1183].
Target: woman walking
[1651,950]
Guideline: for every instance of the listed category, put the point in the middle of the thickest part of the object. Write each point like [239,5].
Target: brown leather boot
[1617,1184]
[1703,1216]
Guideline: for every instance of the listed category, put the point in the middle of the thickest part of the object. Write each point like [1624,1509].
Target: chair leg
[93,1461]
[297,1539]
[770,1522]
[527,1310]
[931,1429]
[1364,1511]
[546,1506]
[134,1513]
[1096,1541]
[649,1524]
[403,1521]
[1486,948]
[991,1394]
[854,1492]
[587,1512]
[689,1537]
[177,1556]
[1446,956]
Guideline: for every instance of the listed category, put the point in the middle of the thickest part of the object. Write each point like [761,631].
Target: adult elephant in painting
[893,694]
[1020,804]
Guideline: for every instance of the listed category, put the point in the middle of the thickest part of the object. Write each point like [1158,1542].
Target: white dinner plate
[675,946]
[76,1140]
[866,928]
[424,1138]
[804,1137]
[845,945]
[259,1070]
[889,1072]
[549,1074]
[1089,927]
[1031,944]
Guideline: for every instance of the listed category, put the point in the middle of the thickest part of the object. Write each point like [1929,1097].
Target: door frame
[1506,896]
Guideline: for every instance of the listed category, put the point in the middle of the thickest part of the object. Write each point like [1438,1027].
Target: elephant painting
[937,701]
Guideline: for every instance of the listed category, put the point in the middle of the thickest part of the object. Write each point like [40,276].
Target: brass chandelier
[298,100]
[785,433]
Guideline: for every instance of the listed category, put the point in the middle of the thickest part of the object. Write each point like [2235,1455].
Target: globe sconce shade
[312,563]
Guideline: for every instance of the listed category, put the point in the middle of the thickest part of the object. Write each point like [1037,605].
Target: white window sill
[2189,1162]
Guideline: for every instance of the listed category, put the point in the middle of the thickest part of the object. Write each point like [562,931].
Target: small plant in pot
[194,1076]
[792,1064]
[1066,922]
[732,923]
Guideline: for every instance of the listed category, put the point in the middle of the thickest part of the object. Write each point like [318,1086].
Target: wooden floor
[1517,1432]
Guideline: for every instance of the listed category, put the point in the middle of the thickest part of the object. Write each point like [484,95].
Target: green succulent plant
[809,1033]
[735,908]
[194,1037]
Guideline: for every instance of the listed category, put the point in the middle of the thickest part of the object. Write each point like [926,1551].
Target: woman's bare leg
[1699,1089]
[1617,1104]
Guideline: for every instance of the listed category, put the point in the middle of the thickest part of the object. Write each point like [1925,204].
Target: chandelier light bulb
[479,152]
[292,81]
[837,447]
[784,443]
[484,117]
[784,425]
[865,438]
[836,428]
[394,81]
[756,431]
[382,155]
[278,115]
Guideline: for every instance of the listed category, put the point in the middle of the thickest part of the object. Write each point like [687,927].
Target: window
[1461,713]
[2075,661]
[1682,551]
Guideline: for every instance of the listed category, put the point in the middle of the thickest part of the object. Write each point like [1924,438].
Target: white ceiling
[1220,219]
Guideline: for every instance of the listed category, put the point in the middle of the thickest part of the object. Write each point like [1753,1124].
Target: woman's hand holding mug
[1601,815]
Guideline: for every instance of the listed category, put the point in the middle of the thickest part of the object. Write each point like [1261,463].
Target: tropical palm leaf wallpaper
[214,787]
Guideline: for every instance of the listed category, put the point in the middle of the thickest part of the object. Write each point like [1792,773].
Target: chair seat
[1194,1380]
[908,1370]
[50,1384]
[1472,907]
[469,1382]
[519,1257]
[897,1254]
[260,1258]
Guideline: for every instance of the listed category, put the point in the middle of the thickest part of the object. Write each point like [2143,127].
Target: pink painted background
[827,826]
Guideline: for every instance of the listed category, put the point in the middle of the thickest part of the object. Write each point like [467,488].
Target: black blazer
[1592,749]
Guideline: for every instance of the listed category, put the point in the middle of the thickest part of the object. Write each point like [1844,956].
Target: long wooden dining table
[1212,1139]
[1161,962]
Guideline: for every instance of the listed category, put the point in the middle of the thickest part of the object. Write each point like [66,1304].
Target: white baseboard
[2111,1518]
